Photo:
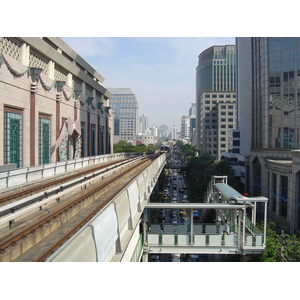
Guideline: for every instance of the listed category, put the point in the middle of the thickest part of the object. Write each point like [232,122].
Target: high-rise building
[143,123]
[268,120]
[185,127]
[217,120]
[174,132]
[192,110]
[215,93]
[125,108]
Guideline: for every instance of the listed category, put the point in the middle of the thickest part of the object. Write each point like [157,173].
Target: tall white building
[174,132]
[185,127]
[143,125]
[124,105]
[216,121]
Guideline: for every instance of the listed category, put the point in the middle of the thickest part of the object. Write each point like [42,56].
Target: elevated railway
[33,227]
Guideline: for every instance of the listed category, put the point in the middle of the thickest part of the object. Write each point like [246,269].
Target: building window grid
[13,138]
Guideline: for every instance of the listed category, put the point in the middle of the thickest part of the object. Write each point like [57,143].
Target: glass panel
[274,191]
[44,155]
[287,43]
[284,196]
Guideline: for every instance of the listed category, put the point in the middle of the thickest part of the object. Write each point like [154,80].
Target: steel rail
[69,204]
[56,181]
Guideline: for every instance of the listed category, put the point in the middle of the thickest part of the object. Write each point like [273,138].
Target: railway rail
[15,193]
[34,227]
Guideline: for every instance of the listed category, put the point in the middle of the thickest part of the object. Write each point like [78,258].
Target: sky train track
[16,193]
[34,231]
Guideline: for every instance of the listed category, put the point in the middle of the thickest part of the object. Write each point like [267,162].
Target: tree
[123,146]
[280,247]
[223,167]
[199,171]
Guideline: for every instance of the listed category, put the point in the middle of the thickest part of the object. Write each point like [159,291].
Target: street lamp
[59,85]
[34,73]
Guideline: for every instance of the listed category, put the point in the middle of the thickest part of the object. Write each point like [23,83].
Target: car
[181,190]
[184,216]
[195,214]
[154,258]
[166,191]
[174,194]
[175,259]
[185,186]
[194,258]
[167,184]
[180,177]
[182,211]
[184,197]
[174,222]
[161,215]
[164,197]
[185,221]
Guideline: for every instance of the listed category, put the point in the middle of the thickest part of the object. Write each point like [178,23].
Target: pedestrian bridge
[245,236]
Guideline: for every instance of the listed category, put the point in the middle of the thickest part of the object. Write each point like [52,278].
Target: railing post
[192,226]
[244,226]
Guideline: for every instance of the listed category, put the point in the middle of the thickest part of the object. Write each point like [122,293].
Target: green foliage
[123,146]
[275,243]
[186,150]
[200,170]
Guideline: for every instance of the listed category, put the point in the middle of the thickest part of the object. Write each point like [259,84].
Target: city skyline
[160,71]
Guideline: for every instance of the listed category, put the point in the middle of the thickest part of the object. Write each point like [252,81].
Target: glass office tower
[271,98]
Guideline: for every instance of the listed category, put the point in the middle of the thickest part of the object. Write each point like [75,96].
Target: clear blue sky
[161,71]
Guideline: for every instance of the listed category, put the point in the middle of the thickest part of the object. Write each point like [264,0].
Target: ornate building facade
[53,106]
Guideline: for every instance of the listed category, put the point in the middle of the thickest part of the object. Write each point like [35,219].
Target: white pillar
[50,67]
[24,54]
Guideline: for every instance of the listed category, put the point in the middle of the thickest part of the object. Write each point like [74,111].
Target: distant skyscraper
[174,132]
[185,127]
[215,77]
[143,123]
[192,110]
[125,107]
[268,119]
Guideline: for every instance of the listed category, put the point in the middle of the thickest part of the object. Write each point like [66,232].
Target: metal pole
[254,215]
[239,229]
[265,225]
[192,226]
[244,226]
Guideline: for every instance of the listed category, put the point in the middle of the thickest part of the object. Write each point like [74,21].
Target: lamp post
[59,85]
[34,74]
